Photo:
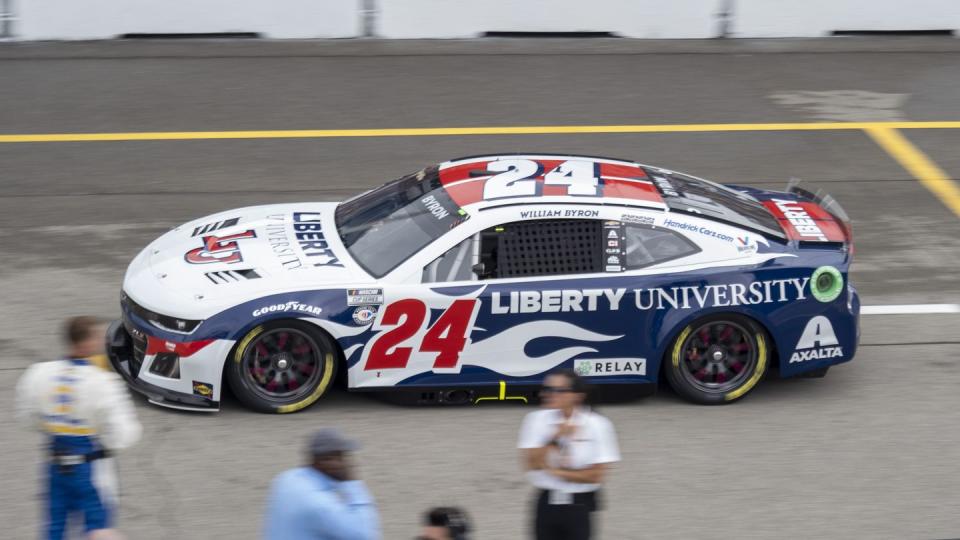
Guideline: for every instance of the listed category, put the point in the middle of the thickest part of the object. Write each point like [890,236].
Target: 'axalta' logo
[818,342]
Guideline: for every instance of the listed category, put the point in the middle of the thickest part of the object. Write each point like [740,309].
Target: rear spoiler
[815,219]
[824,199]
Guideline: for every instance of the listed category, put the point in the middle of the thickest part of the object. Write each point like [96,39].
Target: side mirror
[479,270]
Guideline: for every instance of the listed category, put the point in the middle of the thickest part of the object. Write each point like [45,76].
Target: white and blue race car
[472,279]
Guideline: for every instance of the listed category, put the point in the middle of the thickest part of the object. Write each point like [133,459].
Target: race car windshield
[385,226]
[715,201]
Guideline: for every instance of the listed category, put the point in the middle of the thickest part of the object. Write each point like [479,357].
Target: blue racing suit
[86,414]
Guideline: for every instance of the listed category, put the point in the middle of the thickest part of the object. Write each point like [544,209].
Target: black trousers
[563,521]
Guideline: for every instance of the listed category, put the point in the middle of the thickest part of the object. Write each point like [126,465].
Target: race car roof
[510,179]
[500,180]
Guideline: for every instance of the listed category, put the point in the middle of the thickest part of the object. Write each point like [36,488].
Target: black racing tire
[282,366]
[717,359]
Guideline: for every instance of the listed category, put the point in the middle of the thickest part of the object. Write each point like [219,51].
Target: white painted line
[910,309]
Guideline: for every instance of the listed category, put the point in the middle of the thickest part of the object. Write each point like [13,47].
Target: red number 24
[447,337]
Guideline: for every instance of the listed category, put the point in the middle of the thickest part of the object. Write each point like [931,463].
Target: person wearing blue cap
[322,500]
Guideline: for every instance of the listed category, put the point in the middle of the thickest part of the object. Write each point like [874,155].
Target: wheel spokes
[282,364]
[704,336]
[718,356]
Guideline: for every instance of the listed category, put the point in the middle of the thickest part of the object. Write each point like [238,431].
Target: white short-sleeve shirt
[593,442]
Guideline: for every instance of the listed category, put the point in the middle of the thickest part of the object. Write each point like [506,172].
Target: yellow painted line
[461,131]
[919,165]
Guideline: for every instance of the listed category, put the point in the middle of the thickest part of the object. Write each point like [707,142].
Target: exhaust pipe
[456,397]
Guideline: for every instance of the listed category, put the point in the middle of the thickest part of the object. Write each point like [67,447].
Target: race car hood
[214,262]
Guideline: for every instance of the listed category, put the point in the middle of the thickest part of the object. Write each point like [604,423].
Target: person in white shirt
[86,415]
[566,450]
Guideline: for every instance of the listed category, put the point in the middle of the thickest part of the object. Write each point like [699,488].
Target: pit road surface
[867,452]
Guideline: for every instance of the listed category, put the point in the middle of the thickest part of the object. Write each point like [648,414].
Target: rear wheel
[282,367]
[718,359]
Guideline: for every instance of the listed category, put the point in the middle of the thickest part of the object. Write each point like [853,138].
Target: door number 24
[404,319]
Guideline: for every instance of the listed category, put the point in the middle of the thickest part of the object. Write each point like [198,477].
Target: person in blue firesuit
[87,416]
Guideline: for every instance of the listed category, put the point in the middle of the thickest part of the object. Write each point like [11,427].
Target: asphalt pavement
[867,452]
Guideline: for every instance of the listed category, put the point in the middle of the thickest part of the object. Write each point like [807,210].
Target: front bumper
[120,350]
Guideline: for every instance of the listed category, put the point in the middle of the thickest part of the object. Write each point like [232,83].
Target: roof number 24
[517,178]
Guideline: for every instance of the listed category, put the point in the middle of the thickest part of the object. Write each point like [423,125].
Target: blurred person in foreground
[567,449]
[322,500]
[445,523]
[86,414]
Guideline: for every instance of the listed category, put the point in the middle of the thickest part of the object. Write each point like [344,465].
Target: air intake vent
[215,226]
[232,276]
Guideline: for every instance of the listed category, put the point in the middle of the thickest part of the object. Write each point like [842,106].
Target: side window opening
[647,245]
[553,247]
[457,264]
[524,249]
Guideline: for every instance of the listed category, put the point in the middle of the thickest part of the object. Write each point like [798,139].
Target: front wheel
[282,367]
[718,359]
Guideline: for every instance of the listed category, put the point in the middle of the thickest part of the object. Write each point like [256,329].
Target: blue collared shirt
[306,504]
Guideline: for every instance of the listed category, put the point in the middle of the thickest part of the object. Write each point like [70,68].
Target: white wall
[105,19]
[815,18]
[470,18]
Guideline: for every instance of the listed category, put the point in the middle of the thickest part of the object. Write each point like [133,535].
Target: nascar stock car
[471,279]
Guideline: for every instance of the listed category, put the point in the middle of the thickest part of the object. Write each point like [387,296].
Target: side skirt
[501,393]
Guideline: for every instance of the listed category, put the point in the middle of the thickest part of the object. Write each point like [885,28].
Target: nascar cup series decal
[363,297]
